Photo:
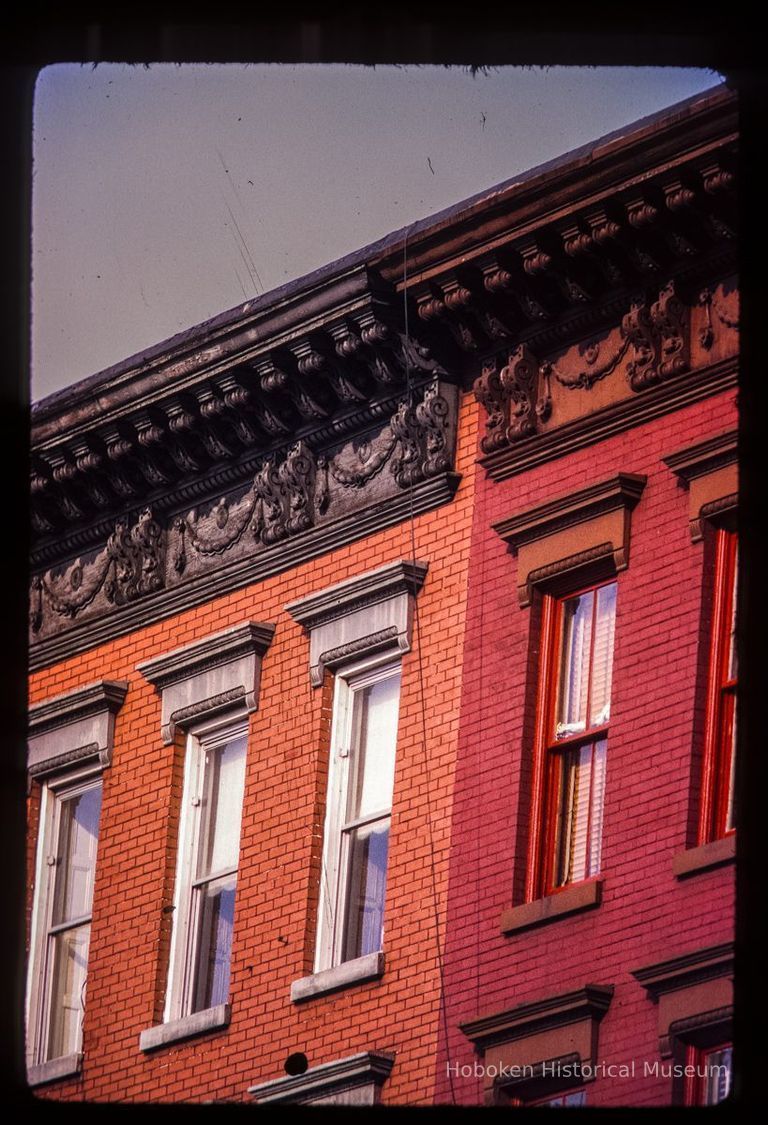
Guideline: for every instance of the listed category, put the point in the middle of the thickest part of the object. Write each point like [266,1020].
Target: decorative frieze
[178,424]
[130,565]
[294,495]
[525,393]
[322,411]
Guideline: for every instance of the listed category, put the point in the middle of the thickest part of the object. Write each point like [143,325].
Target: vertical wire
[420,664]
[479,772]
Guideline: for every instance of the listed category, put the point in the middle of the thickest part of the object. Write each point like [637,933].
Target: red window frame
[717,817]
[550,751]
[697,1089]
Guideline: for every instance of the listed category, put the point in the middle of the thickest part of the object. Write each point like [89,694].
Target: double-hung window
[66,861]
[718,812]
[574,713]
[206,876]
[208,690]
[358,812]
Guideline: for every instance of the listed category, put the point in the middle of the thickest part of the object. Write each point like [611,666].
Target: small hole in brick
[296,1063]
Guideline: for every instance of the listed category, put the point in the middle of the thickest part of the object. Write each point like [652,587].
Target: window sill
[194,1024]
[370,967]
[705,856]
[50,1071]
[571,900]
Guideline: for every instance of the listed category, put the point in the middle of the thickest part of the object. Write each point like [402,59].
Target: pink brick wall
[647,915]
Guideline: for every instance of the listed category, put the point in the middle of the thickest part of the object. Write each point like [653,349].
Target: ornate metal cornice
[207,410]
[620,208]
[650,343]
[294,507]
[594,426]
[626,229]
[304,418]
[626,248]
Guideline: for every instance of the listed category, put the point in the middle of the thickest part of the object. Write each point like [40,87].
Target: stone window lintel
[219,672]
[583,528]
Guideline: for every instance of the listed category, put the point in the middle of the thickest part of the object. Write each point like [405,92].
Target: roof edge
[376,254]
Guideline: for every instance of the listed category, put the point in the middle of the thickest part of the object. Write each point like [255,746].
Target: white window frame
[334,864]
[183,954]
[54,791]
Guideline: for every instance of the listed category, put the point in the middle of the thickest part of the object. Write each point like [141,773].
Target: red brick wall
[646,915]
[283,814]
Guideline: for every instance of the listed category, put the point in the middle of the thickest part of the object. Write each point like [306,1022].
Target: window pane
[730,748]
[375,757]
[576,1099]
[222,807]
[732,653]
[69,958]
[368,848]
[717,1080]
[580,820]
[602,656]
[76,855]
[215,913]
[573,685]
